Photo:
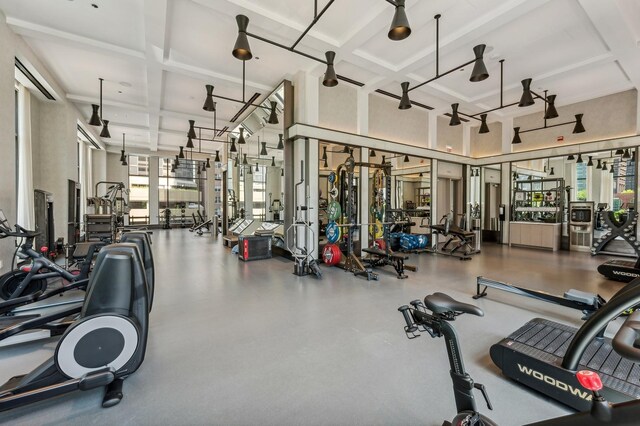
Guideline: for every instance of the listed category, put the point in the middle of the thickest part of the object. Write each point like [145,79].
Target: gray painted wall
[487,144]
[449,136]
[386,121]
[338,108]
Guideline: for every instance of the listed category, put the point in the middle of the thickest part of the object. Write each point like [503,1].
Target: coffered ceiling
[157,55]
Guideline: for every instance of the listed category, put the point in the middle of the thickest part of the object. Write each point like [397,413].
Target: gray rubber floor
[235,343]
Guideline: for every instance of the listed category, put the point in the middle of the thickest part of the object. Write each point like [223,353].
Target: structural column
[154,181]
[506,199]
[363,194]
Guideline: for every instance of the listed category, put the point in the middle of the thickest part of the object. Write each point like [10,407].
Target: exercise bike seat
[440,303]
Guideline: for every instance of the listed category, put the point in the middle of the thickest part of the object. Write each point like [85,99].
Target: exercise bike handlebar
[406,313]
[20,232]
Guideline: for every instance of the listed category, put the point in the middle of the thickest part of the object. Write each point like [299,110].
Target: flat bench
[382,258]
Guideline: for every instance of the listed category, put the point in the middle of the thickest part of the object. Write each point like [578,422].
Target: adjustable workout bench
[459,243]
[379,257]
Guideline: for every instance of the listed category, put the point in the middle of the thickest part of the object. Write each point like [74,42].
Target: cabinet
[535,234]
[538,200]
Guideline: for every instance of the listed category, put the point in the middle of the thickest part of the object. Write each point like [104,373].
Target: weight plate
[333,232]
[333,192]
[334,210]
[376,230]
[332,177]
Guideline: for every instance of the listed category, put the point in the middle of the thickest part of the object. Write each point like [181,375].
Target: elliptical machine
[437,323]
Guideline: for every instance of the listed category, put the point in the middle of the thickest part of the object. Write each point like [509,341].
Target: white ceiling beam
[95,100]
[41,32]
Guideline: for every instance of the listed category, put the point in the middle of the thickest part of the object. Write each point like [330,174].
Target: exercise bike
[434,317]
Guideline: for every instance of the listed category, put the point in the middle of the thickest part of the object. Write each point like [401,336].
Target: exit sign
[560,138]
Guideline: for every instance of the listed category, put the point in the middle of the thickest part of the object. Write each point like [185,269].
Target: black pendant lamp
[479,72]
[241,140]
[346,150]
[273,116]
[209,105]
[233,145]
[105,130]
[263,151]
[527,98]
[627,154]
[237,162]
[400,28]
[280,142]
[273,161]
[204,166]
[189,142]
[257,169]
[619,151]
[330,77]
[250,170]
[281,172]
[95,115]
[483,125]
[177,161]
[123,156]
[455,119]
[611,169]
[604,166]
[599,165]
[242,50]
[216,160]
[173,168]
[551,173]
[516,136]
[244,160]
[181,154]
[515,175]
[324,153]
[578,128]
[405,103]
[383,160]
[372,153]
[551,108]
[590,162]
[192,131]
[579,160]
[571,157]
[198,170]
[406,158]
[325,164]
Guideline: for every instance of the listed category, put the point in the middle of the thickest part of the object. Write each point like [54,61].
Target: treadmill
[545,355]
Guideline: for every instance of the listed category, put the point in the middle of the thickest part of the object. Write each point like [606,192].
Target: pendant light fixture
[273,115]
[516,136]
[405,102]
[324,153]
[599,165]
[233,145]
[123,157]
[280,142]
[189,142]
[346,149]
[479,72]
[578,128]
[372,154]
[181,154]
[626,154]
[551,108]
[526,99]
[250,170]
[273,161]
[604,166]
[95,113]
[611,169]
[215,160]
[241,140]
[571,157]
[282,172]
[105,130]
[198,170]
[209,105]
[400,28]
[242,49]
[325,164]
[192,130]
[257,169]
[579,160]
[173,168]
[406,158]
[515,175]
[237,162]
[484,128]
[263,151]
[551,173]
[590,162]
[455,118]
[177,162]
[244,160]
[383,160]
[619,151]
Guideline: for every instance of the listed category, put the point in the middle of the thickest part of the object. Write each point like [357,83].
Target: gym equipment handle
[627,340]
[410,328]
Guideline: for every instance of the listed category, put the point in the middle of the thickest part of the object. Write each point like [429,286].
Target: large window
[581,182]
[139,189]
[624,186]
[181,191]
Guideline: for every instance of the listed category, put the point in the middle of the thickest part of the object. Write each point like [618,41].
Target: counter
[535,234]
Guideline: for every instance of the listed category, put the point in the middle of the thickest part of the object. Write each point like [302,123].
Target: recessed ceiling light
[95,6]
[125,84]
